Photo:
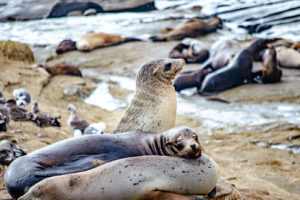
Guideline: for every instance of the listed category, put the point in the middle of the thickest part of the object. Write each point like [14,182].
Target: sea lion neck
[156,144]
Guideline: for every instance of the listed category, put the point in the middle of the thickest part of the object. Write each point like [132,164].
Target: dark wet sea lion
[236,73]
[192,28]
[131,179]
[270,72]
[191,50]
[192,79]
[153,107]
[87,152]
[65,46]
[62,9]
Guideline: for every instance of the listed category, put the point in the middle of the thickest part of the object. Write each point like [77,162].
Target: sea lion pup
[62,69]
[191,50]
[270,72]
[192,28]
[236,73]
[89,151]
[288,57]
[43,119]
[90,41]
[131,178]
[188,80]
[153,107]
[8,153]
[76,122]
[65,46]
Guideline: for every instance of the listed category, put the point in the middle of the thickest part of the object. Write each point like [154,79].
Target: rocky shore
[242,162]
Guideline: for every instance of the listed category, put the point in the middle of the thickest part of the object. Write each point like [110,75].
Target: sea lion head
[159,70]
[182,142]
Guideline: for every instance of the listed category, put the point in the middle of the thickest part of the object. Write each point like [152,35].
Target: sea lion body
[63,69]
[131,178]
[87,152]
[90,41]
[237,72]
[288,57]
[153,107]
[270,72]
[192,28]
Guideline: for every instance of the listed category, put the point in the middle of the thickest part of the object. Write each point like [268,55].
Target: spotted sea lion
[270,72]
[153,107]
[192,28]
[90,41]
[87,152]
[131,178]
[237,72]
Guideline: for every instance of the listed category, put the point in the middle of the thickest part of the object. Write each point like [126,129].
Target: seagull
[8,153]
[22,97]
[4,114]
[75,122]
[43,119]
[95,128]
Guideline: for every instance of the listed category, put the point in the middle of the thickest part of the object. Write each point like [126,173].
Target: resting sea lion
[90,41]
[270,72]
[65,46]
[288,57]
[191,50]
[131,178]
[62,69]
[153,107]
[236,73]
[192,28]
[192,79]
[87,152]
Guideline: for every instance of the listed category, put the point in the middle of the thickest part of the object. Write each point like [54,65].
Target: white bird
[22,97]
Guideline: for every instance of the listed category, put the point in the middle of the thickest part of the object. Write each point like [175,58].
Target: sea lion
[288,57]
[62,69]
[131,178]
[191,50]
[90,41]
[192,28]
[62,9]
[237,72]
[270,72]
[153,107]
[65,46]
[192,79]
[89,151]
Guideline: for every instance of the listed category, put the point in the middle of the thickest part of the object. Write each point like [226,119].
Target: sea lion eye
[167,66]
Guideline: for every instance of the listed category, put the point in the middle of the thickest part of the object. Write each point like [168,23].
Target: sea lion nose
[193,146]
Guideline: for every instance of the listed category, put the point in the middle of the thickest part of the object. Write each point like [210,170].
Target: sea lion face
[183,142]
[163,70]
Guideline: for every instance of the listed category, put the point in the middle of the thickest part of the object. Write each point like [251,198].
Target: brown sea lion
[191,50]
[236,73]
[153,107]
[87,152]
[90,41]
[270,72]
[65,46]
[131,178]
[62,69]
[192,28]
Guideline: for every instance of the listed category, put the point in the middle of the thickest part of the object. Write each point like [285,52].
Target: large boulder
[38,9]
[16,51]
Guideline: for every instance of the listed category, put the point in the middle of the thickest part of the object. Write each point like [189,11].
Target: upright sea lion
[90,41]
[238,72]
[153,107]
[192,28]
[288,57]
[87,152]
[270,72]
[191,50]
[131,178]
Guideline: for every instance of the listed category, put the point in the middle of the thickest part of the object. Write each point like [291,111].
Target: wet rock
[16,51]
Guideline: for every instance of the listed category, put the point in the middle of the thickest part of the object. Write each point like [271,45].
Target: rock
[127,5]
[16,51]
